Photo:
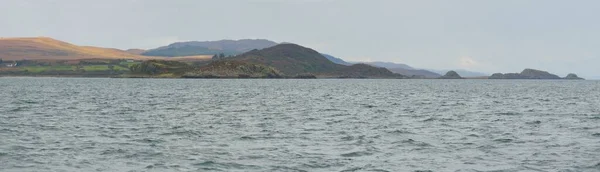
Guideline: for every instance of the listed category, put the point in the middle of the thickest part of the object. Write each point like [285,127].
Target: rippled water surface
[70,124]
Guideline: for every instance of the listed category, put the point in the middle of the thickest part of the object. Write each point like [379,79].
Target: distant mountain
[336,60]
[195,48]
[406,70]
[463,73]
[47,48]
[389,65]
[397,68]
[415,72]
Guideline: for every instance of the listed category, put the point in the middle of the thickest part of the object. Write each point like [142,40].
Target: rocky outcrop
[158,67]
[573,76]
[234,69]
[451,75]
[525,74]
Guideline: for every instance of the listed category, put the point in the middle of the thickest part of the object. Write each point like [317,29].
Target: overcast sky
[482,35]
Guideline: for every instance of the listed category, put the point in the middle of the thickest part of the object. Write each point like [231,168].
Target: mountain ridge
[194,48]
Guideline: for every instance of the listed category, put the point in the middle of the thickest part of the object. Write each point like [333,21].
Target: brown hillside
[135,51]
[48,48]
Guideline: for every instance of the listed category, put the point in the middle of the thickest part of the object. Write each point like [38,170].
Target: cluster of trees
[220,56]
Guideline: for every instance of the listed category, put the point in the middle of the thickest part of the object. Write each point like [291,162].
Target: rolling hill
[48,48]
[293,60]
[194,48]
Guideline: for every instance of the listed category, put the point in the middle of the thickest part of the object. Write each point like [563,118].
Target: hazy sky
[482,35]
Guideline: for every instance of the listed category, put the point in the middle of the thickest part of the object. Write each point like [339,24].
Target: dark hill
[291,59]
[526,74]
[294,60]
[194,48]
[451,75]
[363,71]
[406,70]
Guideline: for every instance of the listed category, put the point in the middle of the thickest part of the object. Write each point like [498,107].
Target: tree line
[220,56]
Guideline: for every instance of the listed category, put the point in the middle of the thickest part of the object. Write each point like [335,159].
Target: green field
[91,68]
[129,64]
[103,68]
[38,69]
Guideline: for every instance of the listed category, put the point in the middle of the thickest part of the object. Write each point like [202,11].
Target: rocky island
[531,74]
[573,76]
[451,75]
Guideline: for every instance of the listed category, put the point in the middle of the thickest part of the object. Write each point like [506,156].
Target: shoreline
[282,78]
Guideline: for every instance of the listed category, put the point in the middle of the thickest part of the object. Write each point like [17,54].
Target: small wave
[18,109]
[400,132]
[182,133]
[534,122]
[416,143]
[596,134]
[247,138]
[28,102]
[429,119]
[347,138]
[18,147]
[509,113]
[224,166]
[149,140]
[369,106]
[356,154]
[329,110]
[504,140]
[113,151]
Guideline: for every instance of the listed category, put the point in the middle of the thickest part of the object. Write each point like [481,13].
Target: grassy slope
[48,48]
